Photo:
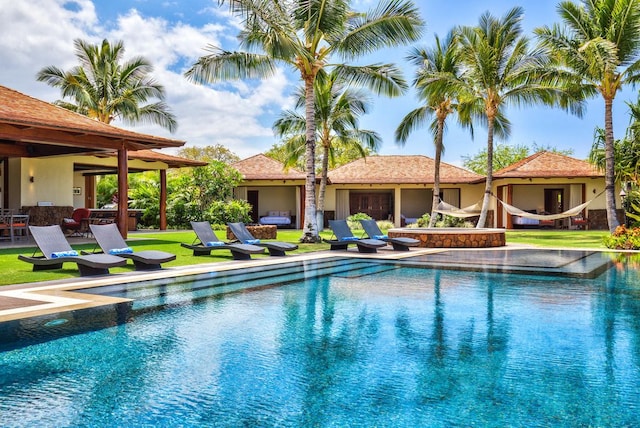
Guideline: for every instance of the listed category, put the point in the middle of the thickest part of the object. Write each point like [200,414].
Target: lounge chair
[275,248]
[110,240]
[56,250]
[206,241]
[399,244]
[344,237]
[77,223]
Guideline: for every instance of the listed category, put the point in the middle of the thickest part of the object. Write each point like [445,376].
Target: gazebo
[32,128]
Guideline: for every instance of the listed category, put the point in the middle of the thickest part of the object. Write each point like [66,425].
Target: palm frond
[224,65]
[391,23]
[385,79]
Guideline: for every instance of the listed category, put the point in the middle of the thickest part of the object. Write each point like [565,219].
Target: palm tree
[305,35]
[437,82]
[600,46]
[104,88]
[337,111]
[501,70]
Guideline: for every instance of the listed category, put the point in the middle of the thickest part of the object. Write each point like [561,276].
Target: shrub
[623,239]
[422,221]
[354,220]
[221,212]
[385,224]
[450,221]
[441,221]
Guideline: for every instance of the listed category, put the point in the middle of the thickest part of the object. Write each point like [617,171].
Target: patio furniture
[275,248]
[76,223]
[13,226]
[110,241]
[344,237]
[399,244]
[56,250]
[206,241]
[579,223]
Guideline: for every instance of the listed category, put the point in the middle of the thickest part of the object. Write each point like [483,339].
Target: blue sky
[172,34]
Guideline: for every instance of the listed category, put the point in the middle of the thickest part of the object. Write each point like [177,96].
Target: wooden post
[163,199]
[123,192]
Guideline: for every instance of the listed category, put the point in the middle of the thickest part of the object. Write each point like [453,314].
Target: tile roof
[548,165]
[25,112]
[261,167]
[398,169]
[172,161]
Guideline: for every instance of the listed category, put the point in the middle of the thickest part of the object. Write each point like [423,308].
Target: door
[553,201]
[376,205]
[252,198]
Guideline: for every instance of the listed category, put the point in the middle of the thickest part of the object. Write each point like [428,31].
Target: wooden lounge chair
[206,241]
[275,248]
[344,237]
[399,244]
[110,241]
[56,250]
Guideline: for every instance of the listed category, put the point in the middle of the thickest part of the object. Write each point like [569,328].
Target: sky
[239,114]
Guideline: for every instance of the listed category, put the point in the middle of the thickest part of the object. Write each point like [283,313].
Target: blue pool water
[344,344]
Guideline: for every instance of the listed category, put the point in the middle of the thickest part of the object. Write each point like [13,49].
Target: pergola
[34,128]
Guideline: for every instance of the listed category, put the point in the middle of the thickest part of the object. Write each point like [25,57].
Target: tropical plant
[599,47]
[505,155]
[500,70]
[337,112]
[623,238]
[105,88]
[305,35]
[354,220]
[437,85]
[216,152]
[106,189]
[197,195]
[626,156]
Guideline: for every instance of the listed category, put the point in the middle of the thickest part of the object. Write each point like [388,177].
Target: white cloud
[40,33]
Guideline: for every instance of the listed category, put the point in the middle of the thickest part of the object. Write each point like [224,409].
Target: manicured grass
[15,271]
[558,238]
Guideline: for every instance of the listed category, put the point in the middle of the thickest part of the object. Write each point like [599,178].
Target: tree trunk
[436,173]
[609,169]
[310,230]
[323,187]
[487,188]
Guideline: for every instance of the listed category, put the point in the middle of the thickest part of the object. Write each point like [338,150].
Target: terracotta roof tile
[261,167]
[17,108]
[548,164]
[172,161]
[399,170]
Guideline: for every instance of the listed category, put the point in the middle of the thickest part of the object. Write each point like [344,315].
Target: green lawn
[15,271]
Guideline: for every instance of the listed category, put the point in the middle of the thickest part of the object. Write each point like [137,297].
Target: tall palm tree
[337,112]
[305,35]
[105,88]
[437,82]
[600,46]
[500,70]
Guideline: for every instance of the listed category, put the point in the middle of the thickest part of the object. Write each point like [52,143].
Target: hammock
[448,209]
[569,213]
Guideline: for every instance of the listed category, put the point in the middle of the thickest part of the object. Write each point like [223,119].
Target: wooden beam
[123,192]
[163,199]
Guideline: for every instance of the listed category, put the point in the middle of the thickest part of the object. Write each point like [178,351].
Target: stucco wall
[52,181]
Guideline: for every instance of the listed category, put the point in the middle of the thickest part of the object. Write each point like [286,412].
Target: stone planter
[259,232]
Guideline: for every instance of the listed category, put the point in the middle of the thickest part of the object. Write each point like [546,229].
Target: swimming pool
[347,343]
